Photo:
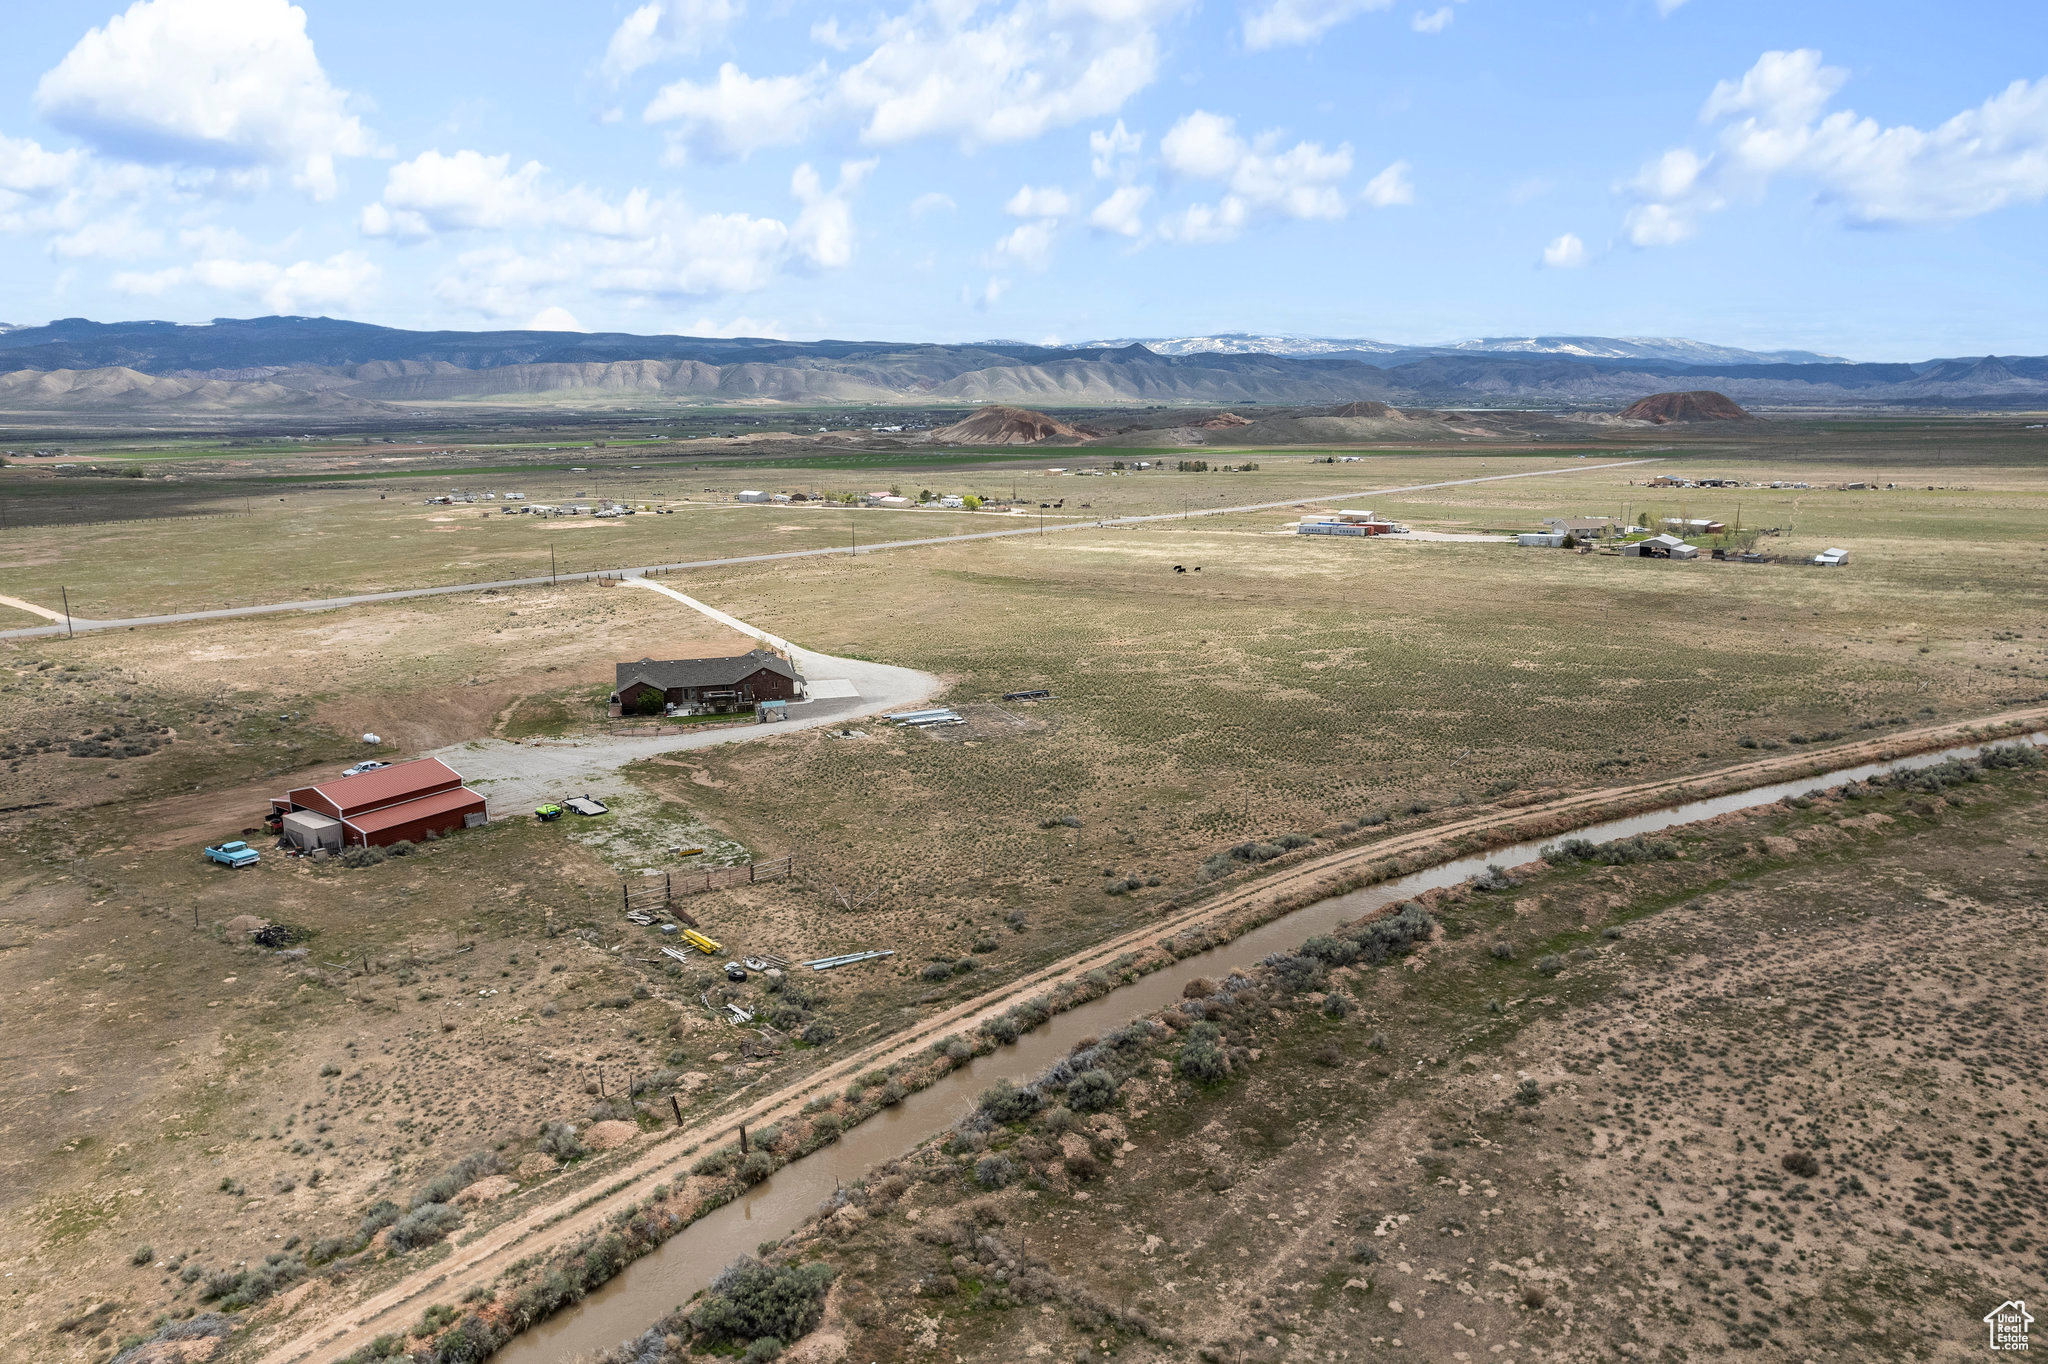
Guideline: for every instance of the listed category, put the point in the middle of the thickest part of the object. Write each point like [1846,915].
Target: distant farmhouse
[703,684]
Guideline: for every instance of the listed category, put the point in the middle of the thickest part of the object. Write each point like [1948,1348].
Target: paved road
[518,776]
[78,624]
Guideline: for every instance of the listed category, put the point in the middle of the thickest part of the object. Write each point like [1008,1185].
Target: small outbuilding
[1541,539]
[1832,558]
[1660,547]
[309,829]
[751,495]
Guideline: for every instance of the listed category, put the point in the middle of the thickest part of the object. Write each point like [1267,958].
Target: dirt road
[477,1263]
[334,603]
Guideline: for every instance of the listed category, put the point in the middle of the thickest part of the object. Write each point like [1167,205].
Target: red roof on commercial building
[405,812]
[385,785]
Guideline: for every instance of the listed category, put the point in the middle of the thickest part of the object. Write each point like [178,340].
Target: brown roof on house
[700,672]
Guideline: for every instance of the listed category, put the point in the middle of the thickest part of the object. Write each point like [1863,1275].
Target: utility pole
[68,632]
[551,563]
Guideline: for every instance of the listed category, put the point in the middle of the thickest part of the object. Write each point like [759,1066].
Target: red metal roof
[405,812]
[385,785]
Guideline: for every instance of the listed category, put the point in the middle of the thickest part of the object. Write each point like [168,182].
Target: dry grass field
[167,1085]
[1780,1096]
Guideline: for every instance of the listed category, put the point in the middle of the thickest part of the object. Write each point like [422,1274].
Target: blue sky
[1866,179]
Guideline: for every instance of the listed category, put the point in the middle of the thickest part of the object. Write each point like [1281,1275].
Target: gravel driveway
[518,776]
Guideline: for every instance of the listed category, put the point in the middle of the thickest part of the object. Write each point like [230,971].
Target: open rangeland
[1770,1084]
[178,1089]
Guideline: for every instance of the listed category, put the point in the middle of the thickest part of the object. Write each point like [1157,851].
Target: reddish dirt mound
[1223,421]
[1701,405]
[996,425]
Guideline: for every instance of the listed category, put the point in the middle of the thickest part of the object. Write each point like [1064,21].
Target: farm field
[1764,1097]
[1290,687]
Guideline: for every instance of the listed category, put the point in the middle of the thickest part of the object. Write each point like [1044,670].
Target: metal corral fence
[718,878]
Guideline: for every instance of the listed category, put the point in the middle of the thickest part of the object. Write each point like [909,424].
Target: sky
[1865,179]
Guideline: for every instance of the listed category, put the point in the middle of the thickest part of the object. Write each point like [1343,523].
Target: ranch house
[704,684]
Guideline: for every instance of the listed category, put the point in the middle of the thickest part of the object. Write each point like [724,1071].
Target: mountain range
[1675,349]
[347,370]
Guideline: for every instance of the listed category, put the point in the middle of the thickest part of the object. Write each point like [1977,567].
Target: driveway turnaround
[518,776]
[369,598]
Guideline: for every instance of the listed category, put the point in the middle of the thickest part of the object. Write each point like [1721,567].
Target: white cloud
[1391,188]
[823,234]
[466,190]
[83,205]
[976,73]
[1260,179]
[666,29]
[1773,124]
[1566,253]
[986,297]
[123,238]
[1029,202]
[1434,21]
[739,326]
[1203,145]
[554,319]
[1122,213]
[26,167]
[737,114]
[1030,244]
[827,33]
[1278,23]
[231,87]
[342,282]
[931,201]
[551,239]
[1113,152]
[1203,224]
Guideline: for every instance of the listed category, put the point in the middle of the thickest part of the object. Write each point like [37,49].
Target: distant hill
[1700,405]
[995,425]
[332,366]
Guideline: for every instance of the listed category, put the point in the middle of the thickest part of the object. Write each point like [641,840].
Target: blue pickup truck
[235,854]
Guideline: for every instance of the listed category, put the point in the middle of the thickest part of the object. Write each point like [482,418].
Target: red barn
[403,802]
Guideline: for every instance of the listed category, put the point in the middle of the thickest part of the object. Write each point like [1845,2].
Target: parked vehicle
[548,814]
[587,805]
[235,854]
[363,767]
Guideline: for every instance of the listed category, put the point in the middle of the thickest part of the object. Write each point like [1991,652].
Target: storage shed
[406,801]
[309,829]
